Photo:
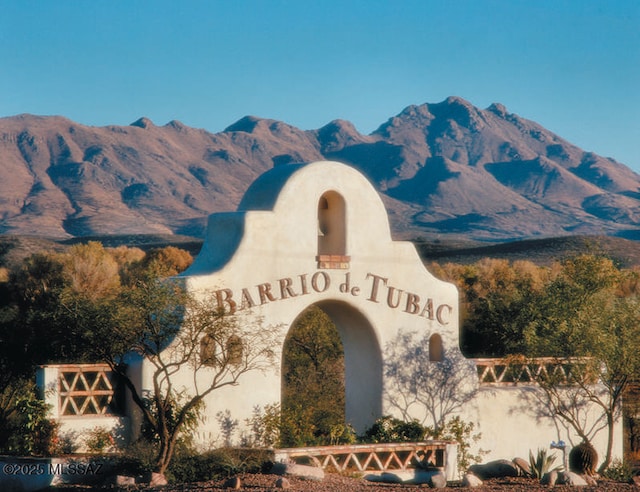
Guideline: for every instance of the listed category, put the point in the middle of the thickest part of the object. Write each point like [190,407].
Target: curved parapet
[322,208]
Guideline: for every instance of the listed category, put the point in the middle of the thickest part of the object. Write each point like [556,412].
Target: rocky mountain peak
[338,134]
[143,122]
[462,112]
[498,109]
[247,124]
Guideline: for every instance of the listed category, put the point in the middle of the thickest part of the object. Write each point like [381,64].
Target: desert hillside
[443,169]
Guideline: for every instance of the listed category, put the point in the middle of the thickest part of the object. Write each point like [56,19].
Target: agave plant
[542,463]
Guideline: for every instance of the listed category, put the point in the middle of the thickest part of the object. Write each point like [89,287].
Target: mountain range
[444,169]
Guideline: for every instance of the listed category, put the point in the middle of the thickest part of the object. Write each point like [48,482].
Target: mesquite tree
[587,316]
[176,332]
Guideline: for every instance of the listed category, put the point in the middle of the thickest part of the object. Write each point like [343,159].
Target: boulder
[434,478]
[524,467]
[157,480]
[438,480]
[283,483]
[120,481]
[549,479]
[301,471]
[495,469]
[470,480]
[571,478]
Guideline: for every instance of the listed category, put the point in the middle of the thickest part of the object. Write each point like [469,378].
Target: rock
[232,483]
[123,480]
[388,477]
[495,469]
[118,481]
[158,480]
[571,478]
[591,481]
[302,471]
[283,483]
[438,480]
[550,478]
[434,478]
[373,477]
[470,480]
[635,480]
[524,467]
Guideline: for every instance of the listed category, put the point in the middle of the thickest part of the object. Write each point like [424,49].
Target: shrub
[138,457]
[461,432]
[188,466]
[390,429]
[29,432]
[99,440]
[619,471]
[265,426]
[342,434]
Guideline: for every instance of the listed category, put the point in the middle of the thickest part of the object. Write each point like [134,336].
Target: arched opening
[312,381]
[332,231]
[436,349]
[360,394]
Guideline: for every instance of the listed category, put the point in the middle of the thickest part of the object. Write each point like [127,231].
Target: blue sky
[571,65]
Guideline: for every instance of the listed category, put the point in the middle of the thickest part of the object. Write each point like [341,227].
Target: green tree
[584,306]
[584,316]
[497,301]
[313,371]
[73,306]
[175,332]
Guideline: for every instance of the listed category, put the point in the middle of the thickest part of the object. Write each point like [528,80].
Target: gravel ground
[338,483]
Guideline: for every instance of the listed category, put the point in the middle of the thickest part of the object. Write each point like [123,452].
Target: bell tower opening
[332,232]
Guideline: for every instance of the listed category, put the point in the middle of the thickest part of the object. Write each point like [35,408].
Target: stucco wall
[513,421]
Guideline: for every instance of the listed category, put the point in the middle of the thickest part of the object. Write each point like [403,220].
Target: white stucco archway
[318,234]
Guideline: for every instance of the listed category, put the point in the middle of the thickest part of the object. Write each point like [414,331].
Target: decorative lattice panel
[507,371]
[86,390]
[375,457]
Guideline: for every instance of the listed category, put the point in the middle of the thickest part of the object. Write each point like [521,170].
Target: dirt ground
[338,483]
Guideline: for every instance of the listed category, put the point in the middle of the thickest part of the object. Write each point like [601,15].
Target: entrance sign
[318,234]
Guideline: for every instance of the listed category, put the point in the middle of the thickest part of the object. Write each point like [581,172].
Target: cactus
[583,459]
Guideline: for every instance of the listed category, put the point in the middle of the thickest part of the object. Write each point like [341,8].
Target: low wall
[81,399]
[512,424]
